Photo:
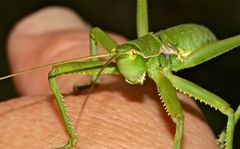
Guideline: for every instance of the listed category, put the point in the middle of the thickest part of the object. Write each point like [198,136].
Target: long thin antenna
[55,63]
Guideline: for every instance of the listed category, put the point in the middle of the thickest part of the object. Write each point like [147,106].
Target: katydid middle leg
[142,18]
[88,67]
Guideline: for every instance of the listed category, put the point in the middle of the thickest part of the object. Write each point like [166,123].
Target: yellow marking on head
[132,54]
[114,49]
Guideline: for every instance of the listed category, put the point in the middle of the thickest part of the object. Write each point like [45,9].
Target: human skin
[117,114]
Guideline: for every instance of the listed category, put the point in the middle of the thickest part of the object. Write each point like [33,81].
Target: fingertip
[38,39]
[50,19]
[31,30]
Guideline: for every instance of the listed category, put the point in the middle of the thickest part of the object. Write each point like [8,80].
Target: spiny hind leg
[209,98]
[222,135]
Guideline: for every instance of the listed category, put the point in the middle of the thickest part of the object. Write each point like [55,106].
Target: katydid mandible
[156,55]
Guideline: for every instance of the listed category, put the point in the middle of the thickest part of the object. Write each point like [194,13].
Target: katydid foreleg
[97,36]
[89,67]
[169,98]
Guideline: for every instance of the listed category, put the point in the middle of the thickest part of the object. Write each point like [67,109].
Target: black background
[220,75]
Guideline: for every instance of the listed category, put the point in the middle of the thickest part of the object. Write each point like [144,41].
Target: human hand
[117,115]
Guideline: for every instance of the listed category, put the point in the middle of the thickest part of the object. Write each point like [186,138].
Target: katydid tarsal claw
[155,55]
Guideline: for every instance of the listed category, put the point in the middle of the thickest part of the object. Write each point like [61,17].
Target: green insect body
[168,45]
[186,38]
[154,55]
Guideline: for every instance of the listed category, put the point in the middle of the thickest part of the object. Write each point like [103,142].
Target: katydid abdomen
[186,37]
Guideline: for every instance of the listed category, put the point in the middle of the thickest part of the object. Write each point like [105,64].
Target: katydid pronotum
[155,55]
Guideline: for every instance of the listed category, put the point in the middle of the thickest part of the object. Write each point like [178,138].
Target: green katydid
[155,55]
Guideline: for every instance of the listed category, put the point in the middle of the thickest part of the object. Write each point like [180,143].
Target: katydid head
[131,64]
